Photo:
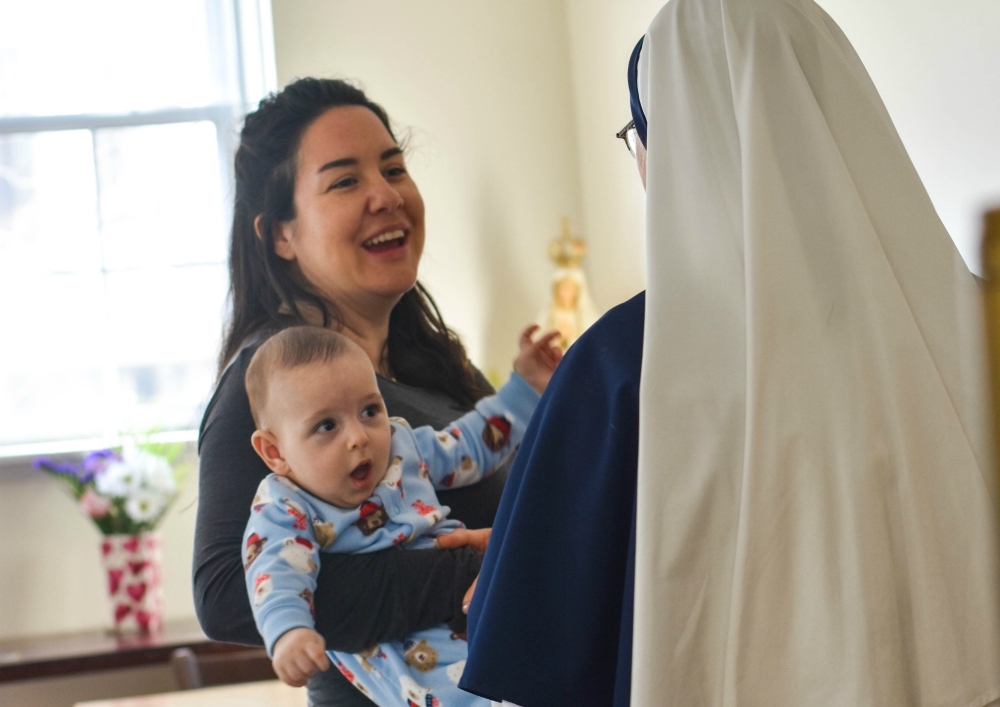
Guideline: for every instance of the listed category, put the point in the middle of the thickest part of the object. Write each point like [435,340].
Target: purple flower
[63,468]
[96,462]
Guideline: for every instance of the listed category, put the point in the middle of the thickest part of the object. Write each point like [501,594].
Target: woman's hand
[478,539]
[537,360]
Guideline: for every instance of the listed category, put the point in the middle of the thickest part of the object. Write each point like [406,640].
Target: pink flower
[94,505]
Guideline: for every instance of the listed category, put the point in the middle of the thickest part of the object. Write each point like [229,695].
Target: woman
[814,512]
[328,229]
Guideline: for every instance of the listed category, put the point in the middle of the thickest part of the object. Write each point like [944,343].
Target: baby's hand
[537,360]
[298,654]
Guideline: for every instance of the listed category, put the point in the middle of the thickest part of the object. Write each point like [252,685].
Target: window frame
[243,25]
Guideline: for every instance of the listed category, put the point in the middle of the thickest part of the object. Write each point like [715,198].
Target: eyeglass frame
[623,134]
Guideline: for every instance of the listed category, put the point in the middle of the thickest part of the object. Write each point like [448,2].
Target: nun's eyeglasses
[630,136]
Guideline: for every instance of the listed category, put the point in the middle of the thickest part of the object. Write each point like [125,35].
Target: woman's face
[358,230]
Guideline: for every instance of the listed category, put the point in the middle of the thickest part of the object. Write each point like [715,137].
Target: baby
[347,478]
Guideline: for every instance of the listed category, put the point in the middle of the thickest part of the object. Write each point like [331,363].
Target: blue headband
[638,117]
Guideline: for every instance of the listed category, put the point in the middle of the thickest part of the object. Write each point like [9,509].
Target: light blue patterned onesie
[288,527]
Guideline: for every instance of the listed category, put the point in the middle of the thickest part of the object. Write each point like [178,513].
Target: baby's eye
[371,411]
[326,426]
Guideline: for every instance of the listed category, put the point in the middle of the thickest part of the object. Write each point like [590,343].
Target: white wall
[602,34]
[485,88]
[937,66]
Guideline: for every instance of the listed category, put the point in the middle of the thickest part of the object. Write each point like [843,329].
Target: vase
[133,564]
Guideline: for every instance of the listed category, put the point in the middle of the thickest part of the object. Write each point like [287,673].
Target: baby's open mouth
[361,474]
[385,241]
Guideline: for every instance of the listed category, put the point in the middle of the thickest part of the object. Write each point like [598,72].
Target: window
[118,120]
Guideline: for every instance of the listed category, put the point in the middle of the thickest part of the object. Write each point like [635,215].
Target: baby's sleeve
[280,560]
[474,445]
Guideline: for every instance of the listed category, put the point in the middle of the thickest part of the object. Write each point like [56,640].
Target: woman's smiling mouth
[390,240]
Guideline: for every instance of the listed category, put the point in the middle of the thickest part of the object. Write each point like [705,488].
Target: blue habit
[551,621]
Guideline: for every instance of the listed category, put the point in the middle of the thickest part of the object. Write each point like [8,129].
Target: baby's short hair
[289,348]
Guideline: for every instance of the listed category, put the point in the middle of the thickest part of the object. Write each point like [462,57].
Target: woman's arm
[360,599]
[373,597]
[228,476]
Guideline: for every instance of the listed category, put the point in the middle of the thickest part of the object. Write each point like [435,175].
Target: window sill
[18,457]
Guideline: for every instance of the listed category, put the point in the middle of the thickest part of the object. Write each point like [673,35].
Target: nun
[793,505]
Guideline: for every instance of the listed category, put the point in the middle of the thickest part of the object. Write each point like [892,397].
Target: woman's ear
[266,446]
[281,234]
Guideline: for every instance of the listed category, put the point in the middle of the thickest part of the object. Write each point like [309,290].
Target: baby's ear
[266,446]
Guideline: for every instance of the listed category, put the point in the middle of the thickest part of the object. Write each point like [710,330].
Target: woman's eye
[344,183]
[326,426]
[370,411]
[395,172]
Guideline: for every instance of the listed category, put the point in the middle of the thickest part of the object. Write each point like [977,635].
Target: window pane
[45,406]
[110,56]
[166,332]
[113,237]
[161,198]
[53,319]
[99,355]
[52,381]
[48,215]
[168,314]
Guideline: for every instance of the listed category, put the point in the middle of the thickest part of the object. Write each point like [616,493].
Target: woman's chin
[392,284]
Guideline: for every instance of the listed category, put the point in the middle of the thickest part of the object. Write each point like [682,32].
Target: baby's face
[332,428]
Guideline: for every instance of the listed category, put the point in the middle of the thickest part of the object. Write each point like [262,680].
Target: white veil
[816,519]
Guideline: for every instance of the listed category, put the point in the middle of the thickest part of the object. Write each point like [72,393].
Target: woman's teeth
[385,237]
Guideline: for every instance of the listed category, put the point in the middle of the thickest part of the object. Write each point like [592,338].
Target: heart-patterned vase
[133,566]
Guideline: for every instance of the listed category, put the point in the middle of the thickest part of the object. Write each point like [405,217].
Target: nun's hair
[288,349]
[265,292]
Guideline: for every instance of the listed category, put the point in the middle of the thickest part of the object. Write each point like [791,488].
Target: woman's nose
[384,196]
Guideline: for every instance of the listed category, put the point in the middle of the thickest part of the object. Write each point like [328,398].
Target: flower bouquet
[126,493]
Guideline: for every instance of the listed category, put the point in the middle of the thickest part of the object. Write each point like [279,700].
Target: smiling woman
[328,230]
[358,230]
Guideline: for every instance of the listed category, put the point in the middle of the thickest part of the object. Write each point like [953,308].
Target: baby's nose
[358,435]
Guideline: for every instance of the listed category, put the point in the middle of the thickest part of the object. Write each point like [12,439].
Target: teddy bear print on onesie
[289,528]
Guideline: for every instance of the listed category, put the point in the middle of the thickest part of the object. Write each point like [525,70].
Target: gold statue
[570,311]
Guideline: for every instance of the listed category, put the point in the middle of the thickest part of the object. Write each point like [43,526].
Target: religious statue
[570,310]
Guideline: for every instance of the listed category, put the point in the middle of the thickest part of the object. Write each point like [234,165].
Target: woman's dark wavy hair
[264,291]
